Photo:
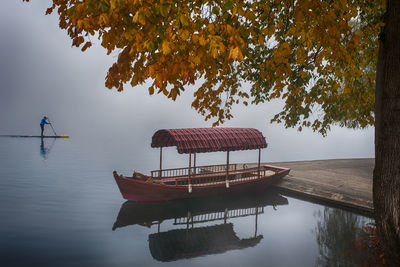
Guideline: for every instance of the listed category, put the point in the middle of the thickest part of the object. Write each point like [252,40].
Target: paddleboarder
[42,123]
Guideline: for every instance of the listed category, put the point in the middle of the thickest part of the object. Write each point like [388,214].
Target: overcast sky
[41,74]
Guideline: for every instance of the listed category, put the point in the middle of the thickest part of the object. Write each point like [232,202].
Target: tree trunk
[386,185]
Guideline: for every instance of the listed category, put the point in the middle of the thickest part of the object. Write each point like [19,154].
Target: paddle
[52,127]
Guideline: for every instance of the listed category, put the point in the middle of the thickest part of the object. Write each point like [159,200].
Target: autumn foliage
[318,56]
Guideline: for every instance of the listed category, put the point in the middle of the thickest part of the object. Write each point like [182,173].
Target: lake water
[60,206]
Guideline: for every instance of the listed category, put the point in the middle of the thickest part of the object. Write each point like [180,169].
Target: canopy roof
[197,140]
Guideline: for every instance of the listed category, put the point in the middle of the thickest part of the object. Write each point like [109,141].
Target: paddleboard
[38,136]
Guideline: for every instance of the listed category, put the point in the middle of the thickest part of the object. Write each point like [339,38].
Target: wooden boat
[201,181]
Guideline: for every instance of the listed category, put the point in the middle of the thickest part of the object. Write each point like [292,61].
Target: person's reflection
[44,151]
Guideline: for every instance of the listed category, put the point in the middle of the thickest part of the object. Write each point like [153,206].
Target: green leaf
[164,10]
[71,11]
[160,31]
[199,23]
[157,9]
[228,5]
[103,6]
[151,46]
[91,8]
[215,10]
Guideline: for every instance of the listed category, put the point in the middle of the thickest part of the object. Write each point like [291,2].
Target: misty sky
[41,74]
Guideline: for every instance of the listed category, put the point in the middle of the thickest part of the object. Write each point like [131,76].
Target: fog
[41,74]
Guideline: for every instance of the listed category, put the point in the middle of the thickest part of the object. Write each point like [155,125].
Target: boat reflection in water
[192,241]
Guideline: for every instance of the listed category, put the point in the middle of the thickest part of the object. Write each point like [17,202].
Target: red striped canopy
[198,140]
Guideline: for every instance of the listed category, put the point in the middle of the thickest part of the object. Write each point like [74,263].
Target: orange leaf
[86,46]
[77,41]
[174,93]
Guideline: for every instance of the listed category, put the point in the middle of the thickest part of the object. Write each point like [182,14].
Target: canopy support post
[259,159]
[194,164]
[159,176]
[227,169]
[189,170]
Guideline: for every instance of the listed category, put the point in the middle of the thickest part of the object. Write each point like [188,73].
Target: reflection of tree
[336,232]
[370,243]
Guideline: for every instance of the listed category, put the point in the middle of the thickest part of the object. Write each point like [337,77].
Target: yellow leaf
[142,19]
[214,52]
[139,18]
[196,59]
[195,38]
[291,31]
[136,17]
[183,19]
[165,47]
[234,11]
[202,41]
[151,71]
[185,35]
[233,53]
[221,47]
[80,24]
[210,27]
[236,53]
[103,19]
[229,29]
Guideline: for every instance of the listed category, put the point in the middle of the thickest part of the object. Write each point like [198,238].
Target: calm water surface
[60,206]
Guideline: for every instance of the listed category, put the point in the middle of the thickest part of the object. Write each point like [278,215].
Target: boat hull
[140,190]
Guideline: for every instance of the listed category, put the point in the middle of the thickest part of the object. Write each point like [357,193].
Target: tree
[386,184]
[320,57]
